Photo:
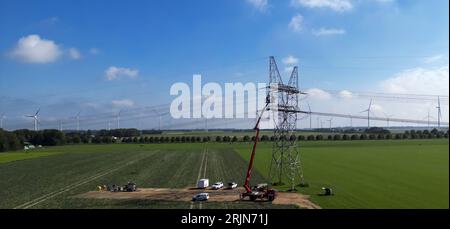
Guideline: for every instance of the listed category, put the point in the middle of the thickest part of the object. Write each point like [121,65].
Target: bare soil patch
[186,194]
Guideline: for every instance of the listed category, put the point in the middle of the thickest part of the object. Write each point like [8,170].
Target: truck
[203,183]
[260,191]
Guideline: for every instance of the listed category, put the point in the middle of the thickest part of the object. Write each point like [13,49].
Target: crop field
[53,181]
[363,174]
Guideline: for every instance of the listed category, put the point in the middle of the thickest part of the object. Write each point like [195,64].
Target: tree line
[15,140]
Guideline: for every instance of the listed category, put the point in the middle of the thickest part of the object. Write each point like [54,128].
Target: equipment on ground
[129,187]
[203,183]
[327,191]
[261,191]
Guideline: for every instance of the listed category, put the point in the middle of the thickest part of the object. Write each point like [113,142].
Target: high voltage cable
[371,118]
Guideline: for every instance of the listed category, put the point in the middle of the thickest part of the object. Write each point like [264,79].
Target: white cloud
[113,72]
[318,94]
[419,81]
[290,60]
[260,5]
[433,59]
[123,103]
[74,54]
[336,5]
[296,23]
[345,94]
[93,51]
[33,49]
[328,32]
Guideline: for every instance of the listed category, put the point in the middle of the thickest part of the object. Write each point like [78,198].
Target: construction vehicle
[261,191]
[129,187]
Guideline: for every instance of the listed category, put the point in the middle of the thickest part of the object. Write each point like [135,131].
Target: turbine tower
[286,164]
[428,117]
[329,120]
[439,113]
[310,117]
[351,120]
[118,119]
[387,118]
[368,114]
[78,121]
[159,116]
[35,119]
[2,116]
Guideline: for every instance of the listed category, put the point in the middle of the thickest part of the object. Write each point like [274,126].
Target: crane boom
[252,157]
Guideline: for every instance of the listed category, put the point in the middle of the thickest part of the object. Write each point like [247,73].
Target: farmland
[51,182]
[364,174]
[373,174]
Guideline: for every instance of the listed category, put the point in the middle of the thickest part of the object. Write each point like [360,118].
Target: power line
[371,117]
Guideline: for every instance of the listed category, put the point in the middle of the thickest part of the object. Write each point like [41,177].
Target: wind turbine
[387,118]
[36,118]
[329,120]
[310,117]
[368,113]
[78,121]
[351,120]
[439,113]
[118,119]
[204,115]
[159,115]
[428,118]
[2,116]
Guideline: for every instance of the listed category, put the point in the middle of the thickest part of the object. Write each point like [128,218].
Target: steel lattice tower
[286,163]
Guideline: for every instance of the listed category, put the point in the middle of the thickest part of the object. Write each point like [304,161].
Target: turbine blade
[37,112]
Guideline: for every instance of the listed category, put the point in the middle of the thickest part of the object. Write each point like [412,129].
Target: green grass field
[364,174]
[372,174]
[17,156]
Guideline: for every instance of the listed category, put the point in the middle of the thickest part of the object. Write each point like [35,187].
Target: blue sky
[360,45]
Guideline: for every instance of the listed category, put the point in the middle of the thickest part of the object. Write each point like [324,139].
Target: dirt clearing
[186,194]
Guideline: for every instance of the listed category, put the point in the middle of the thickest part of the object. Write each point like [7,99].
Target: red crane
[261,191]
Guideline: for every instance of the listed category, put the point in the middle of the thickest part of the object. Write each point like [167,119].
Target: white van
[203,183]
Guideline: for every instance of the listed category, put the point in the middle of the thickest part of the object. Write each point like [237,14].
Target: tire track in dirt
[199,172]
[204,172]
